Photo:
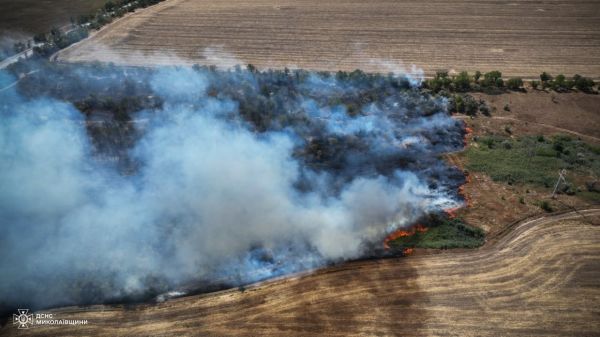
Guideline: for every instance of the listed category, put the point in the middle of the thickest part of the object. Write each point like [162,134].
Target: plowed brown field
[517,37]
[539,277]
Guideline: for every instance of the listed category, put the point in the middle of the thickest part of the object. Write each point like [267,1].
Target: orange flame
[451,212]
[468,133]
[461,191]
[418,228]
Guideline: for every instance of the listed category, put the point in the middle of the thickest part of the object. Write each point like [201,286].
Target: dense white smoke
[212,199]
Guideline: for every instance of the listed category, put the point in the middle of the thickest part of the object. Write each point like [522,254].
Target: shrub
[493,79]
[462,82]
[458,103]
[545,77]
[560,84]
[439,82]
[40,38]
[583,83]
[470,105]
[484,108]
[545,205]
[514,83]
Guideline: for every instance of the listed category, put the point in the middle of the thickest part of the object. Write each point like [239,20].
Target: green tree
[545,77]
[493,79]
[462,82]
[583,83]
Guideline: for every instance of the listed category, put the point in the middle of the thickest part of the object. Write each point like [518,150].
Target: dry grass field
[540,277]
[494,204]
[520,38]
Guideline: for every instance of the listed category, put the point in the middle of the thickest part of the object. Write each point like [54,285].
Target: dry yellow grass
[519,38]
[541,277]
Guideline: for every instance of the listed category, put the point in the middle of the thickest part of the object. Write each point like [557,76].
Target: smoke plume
[213,197]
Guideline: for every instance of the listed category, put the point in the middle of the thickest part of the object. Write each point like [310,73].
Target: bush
[583,83]
[514,83]
[560,84]
[470,105]
[40,38]
[545,77]
[484,108]
[535,84]
[493,79]
[545,205]
[462,82]
[439,82]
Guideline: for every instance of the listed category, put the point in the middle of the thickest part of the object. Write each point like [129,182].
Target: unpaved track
[517,37]
[541,277]
[551,127]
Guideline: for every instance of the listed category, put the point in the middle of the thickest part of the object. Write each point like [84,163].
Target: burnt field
[153,179]
[540,277]
[522,38]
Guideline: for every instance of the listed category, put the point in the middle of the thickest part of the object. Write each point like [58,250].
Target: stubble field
[539,277]
[520,38]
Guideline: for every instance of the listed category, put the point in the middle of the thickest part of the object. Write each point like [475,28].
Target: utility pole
[561,178]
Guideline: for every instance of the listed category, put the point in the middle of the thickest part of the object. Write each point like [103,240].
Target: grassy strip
[533,160]
[443,234]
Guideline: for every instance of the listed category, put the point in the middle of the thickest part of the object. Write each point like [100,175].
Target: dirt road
[540,277]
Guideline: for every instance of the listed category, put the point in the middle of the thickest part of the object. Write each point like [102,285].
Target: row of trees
[111,10]
[464,82]
[492,82]
[561,83]
[47,44]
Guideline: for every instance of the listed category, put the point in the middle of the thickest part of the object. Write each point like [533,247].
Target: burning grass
[440,233]
[258,174]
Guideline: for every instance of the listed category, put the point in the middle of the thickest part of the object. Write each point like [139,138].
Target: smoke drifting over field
[214,196]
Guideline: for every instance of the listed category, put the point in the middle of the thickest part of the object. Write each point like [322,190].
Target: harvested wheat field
[539,277]
[520,38]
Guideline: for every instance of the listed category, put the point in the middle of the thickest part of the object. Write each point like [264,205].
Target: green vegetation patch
[533,160]
[443,234]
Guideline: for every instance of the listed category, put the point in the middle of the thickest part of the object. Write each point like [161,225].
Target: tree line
[493,82]
[46,44]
